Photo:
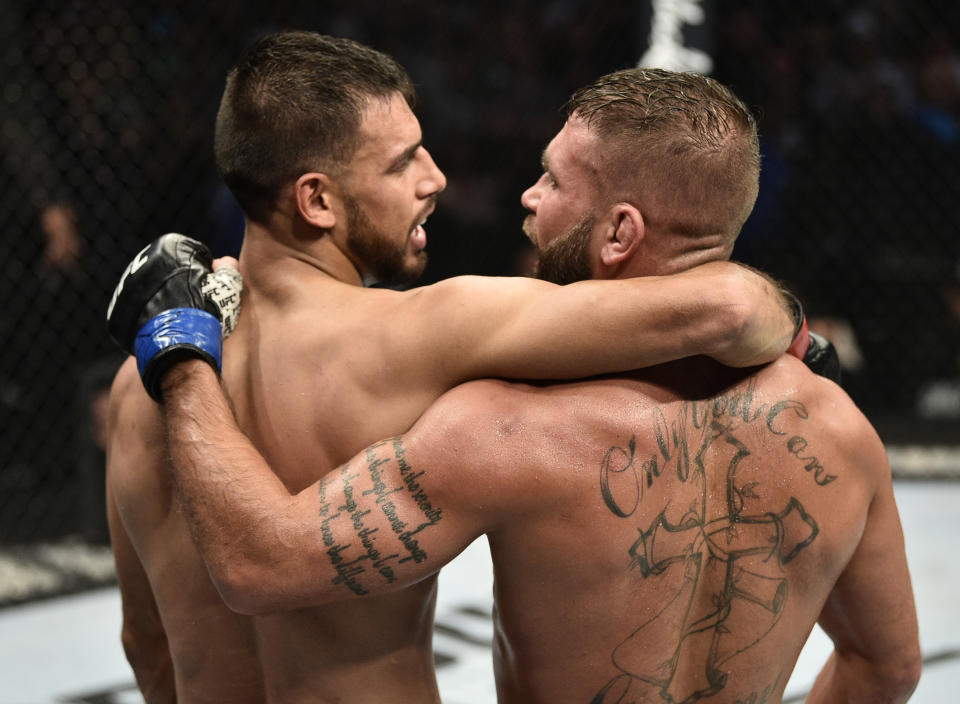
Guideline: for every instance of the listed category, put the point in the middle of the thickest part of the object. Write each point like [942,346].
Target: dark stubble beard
[566,259]
[382,260]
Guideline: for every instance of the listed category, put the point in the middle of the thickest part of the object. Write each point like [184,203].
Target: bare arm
[143,636]
[375,524]
[524,328]
[871,618]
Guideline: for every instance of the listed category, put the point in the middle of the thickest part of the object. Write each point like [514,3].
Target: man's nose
[433,180]
[531,197]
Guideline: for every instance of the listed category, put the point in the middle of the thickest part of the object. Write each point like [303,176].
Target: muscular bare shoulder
[489,435]
[478,413]
[833,418]
[460,420]
[132,415]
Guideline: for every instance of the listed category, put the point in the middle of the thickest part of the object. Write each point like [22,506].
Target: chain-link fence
[107,112]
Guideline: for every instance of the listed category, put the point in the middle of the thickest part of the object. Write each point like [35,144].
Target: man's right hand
[169,306]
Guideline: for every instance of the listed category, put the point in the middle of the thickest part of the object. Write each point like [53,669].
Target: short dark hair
[292,104]
[682,143]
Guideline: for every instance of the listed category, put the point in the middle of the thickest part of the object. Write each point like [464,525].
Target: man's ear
[314,194]
[623,234]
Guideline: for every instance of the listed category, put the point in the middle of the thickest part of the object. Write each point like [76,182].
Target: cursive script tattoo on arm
[377,500]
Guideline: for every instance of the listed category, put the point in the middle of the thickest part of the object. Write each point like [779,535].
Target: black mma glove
[821,356]
[169,306]
[816,351]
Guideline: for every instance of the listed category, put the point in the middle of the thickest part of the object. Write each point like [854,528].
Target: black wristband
[797,307]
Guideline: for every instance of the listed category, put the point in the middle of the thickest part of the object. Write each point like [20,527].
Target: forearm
[234,503]
[654,320]
[719,310]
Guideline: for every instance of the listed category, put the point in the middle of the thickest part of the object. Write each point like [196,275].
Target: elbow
[891,680]
[896,685]
[899,672]
[245,588]
[254,588]
[132,646]
[246,603]
[904,675]
[262,571]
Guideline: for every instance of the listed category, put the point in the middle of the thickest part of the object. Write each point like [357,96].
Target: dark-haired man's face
[561,204]
[388,257]
[390,188]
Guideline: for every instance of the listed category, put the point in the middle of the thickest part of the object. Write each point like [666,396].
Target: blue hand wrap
[179,327]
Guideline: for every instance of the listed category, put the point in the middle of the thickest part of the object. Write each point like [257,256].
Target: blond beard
[566,258]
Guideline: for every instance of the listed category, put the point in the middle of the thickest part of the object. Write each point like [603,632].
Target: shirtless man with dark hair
[668,535]
[316,138]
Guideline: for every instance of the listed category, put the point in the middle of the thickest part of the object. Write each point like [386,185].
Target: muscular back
[312,378]
[669,537]
[318,369]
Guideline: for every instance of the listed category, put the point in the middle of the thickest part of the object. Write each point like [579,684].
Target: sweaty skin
[375,360]
[319,367]
[668,536]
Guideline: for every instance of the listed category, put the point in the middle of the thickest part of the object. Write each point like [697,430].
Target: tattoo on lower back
[718,545]
[378,486]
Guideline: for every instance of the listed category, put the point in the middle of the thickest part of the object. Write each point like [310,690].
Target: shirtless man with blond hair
[668,535]
[316,138]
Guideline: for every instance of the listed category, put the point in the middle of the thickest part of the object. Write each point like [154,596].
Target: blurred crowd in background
[106,127]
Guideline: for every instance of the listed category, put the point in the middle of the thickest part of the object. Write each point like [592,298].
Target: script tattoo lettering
[715,538]
[387,487]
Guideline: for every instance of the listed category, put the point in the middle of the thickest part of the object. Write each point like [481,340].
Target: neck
[696,377]
[272,260]
[668,253]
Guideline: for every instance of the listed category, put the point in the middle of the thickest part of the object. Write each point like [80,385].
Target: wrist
[796,310]
[801,333]
[186,375]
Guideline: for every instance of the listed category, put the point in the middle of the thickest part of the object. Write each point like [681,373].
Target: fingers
[226,261]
